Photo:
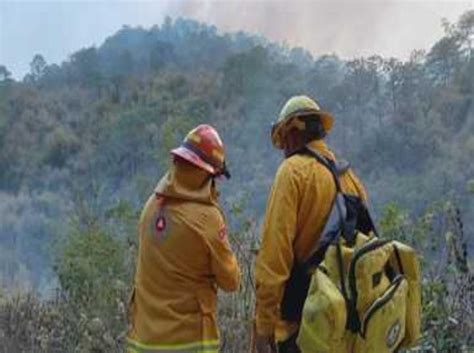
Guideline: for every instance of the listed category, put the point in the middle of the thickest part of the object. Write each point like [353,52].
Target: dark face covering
[294,141]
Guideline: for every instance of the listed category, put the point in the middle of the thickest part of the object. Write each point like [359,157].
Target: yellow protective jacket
[298,206]
[184,255]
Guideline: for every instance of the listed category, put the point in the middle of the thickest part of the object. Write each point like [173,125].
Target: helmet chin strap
[224,171]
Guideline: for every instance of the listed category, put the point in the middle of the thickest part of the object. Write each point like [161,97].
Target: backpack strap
[297,285]
[339,220]
[334,167]
[332,229]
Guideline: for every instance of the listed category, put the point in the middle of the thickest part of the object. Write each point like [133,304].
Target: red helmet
[203,147]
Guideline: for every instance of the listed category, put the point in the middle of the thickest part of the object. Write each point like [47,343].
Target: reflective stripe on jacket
[197,347]
[298,206]
[184,255]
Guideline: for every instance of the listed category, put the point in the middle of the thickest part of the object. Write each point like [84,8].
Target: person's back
[183,254]
[315,190]
[301,197]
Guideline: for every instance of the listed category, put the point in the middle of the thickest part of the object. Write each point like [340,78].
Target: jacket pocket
[383,323]
[324,316]
[405,259]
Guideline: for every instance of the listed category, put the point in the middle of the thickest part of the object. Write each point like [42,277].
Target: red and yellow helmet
[203,148]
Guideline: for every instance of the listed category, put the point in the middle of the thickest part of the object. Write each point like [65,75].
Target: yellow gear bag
[363,293]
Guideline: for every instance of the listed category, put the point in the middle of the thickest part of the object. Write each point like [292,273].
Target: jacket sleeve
[224,264]
[275,258]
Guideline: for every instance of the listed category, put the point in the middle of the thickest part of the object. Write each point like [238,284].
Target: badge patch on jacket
[159,226]
[222,235]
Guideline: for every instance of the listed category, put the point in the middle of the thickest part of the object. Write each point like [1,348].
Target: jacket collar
[186,182]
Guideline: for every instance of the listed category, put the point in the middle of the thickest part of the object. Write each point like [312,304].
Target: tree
[443,59]
[86,66]
[161,54]
[244,73]
[37,67]
[466,31]
[4,73]
[361,89]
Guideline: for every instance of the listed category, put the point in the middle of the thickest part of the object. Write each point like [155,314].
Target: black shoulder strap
[338,215]
[332,229]
[329,164]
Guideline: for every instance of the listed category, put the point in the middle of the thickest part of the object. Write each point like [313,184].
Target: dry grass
[91,325]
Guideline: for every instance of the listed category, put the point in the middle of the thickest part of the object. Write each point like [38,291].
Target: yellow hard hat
[298,106]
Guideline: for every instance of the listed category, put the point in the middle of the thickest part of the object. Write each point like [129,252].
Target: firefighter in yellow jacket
[298,206]
[184,254]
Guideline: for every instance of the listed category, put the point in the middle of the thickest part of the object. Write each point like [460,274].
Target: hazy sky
[348,28]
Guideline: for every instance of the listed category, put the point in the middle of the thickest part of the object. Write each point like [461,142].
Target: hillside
[84,142]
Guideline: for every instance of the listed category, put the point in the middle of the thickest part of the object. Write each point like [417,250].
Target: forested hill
[92,135]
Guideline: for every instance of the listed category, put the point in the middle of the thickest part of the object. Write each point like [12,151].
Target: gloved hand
[265,344]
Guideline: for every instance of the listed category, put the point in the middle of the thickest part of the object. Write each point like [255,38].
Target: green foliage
[88,312]
[447,289]
[55,326]
[90,265]
[394,222]
[470,186]
[37,67]
[4,73]
[96,282]
[62,144]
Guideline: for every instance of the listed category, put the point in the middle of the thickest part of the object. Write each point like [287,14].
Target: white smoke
[348,28]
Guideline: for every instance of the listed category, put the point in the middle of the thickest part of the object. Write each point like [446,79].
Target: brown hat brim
[326,119]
